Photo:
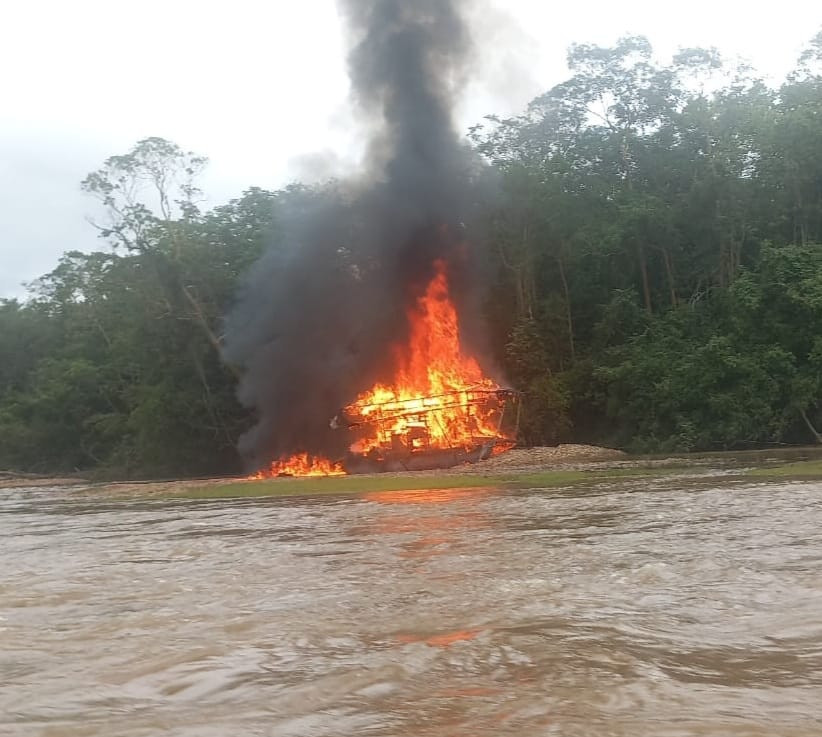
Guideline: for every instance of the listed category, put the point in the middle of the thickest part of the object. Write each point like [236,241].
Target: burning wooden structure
[438,410]
[439,431]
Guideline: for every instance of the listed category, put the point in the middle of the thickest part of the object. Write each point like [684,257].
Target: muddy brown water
[655,608]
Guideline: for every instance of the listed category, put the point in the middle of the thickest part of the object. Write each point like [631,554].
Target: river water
[640,608]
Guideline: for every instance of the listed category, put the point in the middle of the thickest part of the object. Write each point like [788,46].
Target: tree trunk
[723,260]
[646,287]
[816,436]
[669,272]
[567,306]
[523,277]
[529,288]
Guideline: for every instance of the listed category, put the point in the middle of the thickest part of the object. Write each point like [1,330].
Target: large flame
[436,387]
[437,400]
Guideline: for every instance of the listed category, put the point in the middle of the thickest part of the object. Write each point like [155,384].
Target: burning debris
[439,410]
[369,301]
[429,432]
[301,464]
[425,432]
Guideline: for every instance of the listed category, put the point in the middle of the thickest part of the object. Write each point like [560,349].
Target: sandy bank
[518,460]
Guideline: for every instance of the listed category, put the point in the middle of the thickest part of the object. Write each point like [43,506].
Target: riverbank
[13,480]
[341,485]
[407,482]
[800,469]
[520,468]
[535,468]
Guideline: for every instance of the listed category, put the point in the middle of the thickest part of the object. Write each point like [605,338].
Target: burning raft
[438,431]
[438,411]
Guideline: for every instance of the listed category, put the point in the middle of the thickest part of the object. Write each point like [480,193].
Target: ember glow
[439,401]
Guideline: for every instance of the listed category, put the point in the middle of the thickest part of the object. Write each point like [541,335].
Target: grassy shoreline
[765,465]
[800,469]
[520,479]
[342,485]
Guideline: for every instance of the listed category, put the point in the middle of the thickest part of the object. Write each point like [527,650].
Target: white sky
[259,87]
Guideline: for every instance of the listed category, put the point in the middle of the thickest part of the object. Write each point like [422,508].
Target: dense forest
[654,263]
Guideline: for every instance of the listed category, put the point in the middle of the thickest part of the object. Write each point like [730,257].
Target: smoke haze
[320,311]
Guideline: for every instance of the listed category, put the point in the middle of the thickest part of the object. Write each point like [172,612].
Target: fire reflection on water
[453,514]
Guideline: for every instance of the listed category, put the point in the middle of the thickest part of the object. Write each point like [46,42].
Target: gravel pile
[523,459]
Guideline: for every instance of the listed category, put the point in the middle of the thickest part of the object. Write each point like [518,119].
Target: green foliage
[544,419]
[655,281]
[742,369]
[669,210]
[113,364]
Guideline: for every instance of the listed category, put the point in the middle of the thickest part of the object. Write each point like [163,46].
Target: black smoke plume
[321,309]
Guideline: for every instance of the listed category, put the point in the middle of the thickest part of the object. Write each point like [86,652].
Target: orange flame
[300,464]
[434,394]
[439,397]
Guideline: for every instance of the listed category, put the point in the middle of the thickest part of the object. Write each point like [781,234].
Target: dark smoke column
[405,69]
[320,311]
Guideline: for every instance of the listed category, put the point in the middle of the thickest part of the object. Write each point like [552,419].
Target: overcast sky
[259,87]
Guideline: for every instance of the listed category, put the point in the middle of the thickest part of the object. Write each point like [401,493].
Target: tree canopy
[655,262]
